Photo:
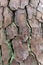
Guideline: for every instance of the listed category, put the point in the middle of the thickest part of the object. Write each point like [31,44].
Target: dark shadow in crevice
[42,28]
[29,1]
[8,5]
[34,56]
[28,21]
[12,46]
[1,54]
[12,51]
[13,20]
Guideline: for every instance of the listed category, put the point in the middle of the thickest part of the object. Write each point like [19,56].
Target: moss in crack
[31,52]
[29,47]
[12,53]
[10,47]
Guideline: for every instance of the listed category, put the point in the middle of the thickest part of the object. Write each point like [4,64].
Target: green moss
[12,54]
[29,48]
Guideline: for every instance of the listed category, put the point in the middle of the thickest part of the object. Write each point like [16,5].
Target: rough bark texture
[21,32]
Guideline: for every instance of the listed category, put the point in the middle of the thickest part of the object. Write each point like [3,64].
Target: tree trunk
[21,32]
